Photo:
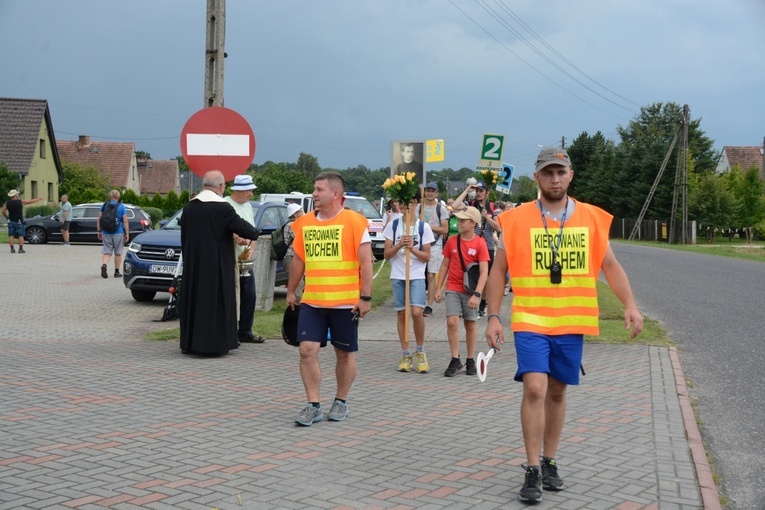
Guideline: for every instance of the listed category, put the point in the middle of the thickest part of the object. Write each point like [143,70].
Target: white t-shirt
[398,262]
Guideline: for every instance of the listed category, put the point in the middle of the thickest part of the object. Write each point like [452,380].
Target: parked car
[152,257]
[82,226]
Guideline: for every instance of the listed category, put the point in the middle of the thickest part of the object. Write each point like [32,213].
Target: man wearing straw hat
[241,192]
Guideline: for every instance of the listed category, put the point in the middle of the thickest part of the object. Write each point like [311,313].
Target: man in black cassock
[208,297]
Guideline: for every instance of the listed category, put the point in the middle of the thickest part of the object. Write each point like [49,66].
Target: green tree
[172,204]
[83,184]
[142,154]
[592,158]
[182,166]
[644,143]
[8,181]
[712,204]
[184,198]
[527,189]
[130,197]
[157,201]
[277,178]
[309,165]
[748,189]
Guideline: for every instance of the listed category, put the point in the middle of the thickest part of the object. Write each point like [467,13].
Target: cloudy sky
[341,79]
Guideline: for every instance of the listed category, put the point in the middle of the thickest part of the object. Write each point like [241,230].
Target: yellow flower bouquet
[489,177]
[402,187]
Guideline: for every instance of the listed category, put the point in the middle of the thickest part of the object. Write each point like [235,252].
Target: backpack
[438,215]
[453,226]
[394,226]
[278,246]
[108,221]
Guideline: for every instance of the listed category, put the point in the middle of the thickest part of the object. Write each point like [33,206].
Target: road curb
[709,494]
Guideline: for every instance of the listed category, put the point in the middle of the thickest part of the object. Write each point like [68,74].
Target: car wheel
[36,235]
[143,295]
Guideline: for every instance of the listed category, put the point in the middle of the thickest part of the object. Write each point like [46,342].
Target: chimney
[84,141]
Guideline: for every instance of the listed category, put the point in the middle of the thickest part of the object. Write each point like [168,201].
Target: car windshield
[362,205]
[174,222]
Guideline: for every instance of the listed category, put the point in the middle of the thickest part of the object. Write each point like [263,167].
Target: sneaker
[339,411]
[104,274]
[422,362]
[117,274]
[427,311]
[13,250]
[550,479]
[532,484]
[455,365]
[309,415]
[470,367]
[21,249]
[482,312]
[405,365]
[507,290]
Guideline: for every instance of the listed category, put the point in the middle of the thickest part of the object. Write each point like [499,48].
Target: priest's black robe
[208,298]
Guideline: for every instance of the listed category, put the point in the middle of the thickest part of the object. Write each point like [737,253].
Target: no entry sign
[218,138]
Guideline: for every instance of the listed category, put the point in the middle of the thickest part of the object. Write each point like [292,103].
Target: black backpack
[278,246]
[109,222]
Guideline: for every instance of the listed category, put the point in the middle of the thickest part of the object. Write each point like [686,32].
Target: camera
[556,273]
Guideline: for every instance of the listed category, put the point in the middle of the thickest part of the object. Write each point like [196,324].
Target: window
[42,149]
[50,192]
[34,190]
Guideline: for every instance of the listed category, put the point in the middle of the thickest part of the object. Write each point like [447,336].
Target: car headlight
[134,247]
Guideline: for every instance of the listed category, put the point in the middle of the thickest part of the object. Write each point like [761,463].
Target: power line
[531,66]
[559,55]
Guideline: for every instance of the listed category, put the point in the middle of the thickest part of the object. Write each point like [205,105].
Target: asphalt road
[713,308]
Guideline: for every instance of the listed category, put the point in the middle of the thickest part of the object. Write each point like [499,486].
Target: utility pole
[681,177]
[562,142]
[215,53]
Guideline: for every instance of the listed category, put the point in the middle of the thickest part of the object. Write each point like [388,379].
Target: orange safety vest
[330,250]
[540,306]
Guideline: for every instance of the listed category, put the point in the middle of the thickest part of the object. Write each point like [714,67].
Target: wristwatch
[365,298]
[476,294]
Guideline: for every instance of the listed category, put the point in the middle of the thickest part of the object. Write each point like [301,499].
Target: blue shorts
[314,323]
[416,294]
[558,356]
[16,229]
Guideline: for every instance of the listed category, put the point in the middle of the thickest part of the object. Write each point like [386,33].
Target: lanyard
[556,245]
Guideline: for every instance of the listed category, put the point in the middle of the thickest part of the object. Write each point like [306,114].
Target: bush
[40,210]
[155,214]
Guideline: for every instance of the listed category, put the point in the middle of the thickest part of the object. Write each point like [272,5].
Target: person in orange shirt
[554,249]
[334,252]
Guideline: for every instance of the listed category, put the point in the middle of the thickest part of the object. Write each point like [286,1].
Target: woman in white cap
[294,211]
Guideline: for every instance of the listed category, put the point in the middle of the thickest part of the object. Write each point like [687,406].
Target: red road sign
[218,138]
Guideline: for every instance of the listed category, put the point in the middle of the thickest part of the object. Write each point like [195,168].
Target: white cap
[292,209]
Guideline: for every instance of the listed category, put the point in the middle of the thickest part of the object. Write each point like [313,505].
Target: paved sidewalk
[94,416]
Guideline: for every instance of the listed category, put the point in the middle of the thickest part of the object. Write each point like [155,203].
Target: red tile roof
[158,176]
[112,159]
[745,157]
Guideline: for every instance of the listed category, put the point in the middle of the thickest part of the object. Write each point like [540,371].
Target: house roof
[744,157]
[158,176]
[20,121]
[112,159]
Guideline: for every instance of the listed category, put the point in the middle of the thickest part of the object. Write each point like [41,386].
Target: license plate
[157,268]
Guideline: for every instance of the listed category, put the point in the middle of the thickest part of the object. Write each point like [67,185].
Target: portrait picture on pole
[408,156]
